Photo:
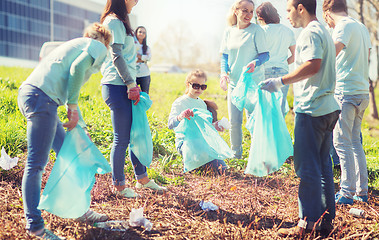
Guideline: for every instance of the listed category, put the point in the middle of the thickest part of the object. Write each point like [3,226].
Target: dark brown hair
[309,5]
[334,6]
[144,44]
[118,8]
[268,13]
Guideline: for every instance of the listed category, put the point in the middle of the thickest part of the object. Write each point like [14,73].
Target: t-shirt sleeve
[260,40]
[291,34]
[97,51]
[118,31]
[342,34]
[223,47]
[311,47]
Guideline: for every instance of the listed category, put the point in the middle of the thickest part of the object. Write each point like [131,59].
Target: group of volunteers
[330,82]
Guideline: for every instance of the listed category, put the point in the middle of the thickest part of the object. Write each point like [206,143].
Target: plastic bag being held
[201,141]
[141,142]
[67,193]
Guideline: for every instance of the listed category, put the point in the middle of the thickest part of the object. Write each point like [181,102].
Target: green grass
[165,88]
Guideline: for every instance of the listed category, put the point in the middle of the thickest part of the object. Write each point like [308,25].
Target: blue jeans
[279,72]
[334,155]
[116,98]
[235,118]
[44,131]
[313,138]
[144,83]
[347,141]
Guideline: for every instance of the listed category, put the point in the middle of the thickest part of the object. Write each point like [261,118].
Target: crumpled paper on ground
[6,162]
[208,206]
[136,219]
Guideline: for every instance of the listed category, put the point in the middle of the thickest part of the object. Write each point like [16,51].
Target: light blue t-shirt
[180,104]
[242,47]
[352,61]
[278,39]
[315,95]
[52,73]
[129,53]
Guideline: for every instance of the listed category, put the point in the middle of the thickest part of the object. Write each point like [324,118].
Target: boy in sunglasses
[182,108]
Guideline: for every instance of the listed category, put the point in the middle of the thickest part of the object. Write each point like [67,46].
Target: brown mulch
[250,208]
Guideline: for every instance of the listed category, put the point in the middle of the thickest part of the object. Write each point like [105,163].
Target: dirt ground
[249,208]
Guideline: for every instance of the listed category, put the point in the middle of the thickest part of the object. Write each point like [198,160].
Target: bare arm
[339,46]
[291,59]
[305,70]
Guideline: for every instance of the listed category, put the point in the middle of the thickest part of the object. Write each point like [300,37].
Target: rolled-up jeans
[313,139]
[116,98]
[44,131]
[274,72]
[347,142]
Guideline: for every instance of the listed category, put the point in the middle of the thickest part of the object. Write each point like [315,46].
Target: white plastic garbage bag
[7,162]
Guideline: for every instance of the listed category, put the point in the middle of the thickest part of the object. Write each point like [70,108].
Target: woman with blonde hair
[279,39]
[54,82]
[243,45]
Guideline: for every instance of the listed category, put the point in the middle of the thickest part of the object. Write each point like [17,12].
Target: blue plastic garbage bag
[243,95]
[271,142]
[141,142]
[201,141]
[67,193]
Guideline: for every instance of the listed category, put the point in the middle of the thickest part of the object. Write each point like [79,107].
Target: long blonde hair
[232,18]
[198,73]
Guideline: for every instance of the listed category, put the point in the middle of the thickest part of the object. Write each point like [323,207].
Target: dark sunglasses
[198,86]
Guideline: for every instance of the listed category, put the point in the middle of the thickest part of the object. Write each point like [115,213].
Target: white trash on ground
[7,162]
[136,219]
[208,206]
[119,226]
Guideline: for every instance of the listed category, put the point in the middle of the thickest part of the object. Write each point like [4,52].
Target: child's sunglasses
[198,86]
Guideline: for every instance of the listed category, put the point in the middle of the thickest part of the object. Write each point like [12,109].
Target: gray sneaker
[91,217]
[45,234]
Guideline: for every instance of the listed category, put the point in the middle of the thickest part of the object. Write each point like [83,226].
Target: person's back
[351,62]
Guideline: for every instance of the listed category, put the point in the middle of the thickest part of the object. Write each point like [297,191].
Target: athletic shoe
[45,234]
[361,198]
[343,200]
[127,192]
[152,185]
[91,217]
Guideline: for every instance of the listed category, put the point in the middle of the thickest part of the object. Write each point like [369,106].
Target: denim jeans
[313,139]
[279,72]
[235,118]
[347,141]
[44,131]
[116,98]
[144,83]
[334,155]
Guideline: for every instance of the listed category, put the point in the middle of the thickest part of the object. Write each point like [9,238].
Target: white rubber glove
[272,84]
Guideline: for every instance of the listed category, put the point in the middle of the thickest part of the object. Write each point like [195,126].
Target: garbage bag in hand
[67,193]
[243,95]
[141,142]
[201,141]
[271,142]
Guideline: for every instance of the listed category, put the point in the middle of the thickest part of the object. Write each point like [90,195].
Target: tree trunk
[373,108]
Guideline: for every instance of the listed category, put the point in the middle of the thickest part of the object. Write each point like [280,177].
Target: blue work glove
[272,84]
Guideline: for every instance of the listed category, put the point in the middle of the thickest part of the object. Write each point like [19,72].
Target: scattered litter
[7,162]
[224,123]
[357,212]
[119,226]
[136,219]
[208,206]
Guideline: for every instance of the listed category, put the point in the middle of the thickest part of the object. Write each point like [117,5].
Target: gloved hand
[185,114]
[73,118]
[218,127]
[272,84]
[133,94]
[224,80]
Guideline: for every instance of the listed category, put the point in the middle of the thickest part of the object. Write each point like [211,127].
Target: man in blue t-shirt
[316,111]
[352,42]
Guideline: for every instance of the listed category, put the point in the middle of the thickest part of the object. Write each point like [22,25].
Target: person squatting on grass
[243,44]
[183,108]
[279,39]
[54,82]
[352,42]
[143,55]
[119,89]
[316,115]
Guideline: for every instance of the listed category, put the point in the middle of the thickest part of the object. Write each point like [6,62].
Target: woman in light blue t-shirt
[119,89]
[280,39]
[56,81]
[243,45]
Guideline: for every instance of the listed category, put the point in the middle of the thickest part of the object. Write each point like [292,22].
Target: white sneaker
[92,217]
[127,192]
[45,234]
[152,185]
